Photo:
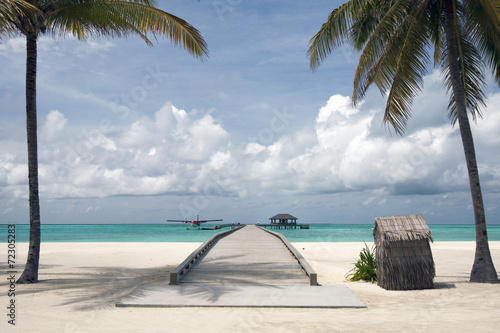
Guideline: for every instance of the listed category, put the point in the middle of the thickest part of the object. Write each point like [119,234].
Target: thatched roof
[401,228]
[283,217]
[403,255]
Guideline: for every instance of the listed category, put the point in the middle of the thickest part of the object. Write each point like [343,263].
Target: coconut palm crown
[82,19]
[399,40]
[9,11]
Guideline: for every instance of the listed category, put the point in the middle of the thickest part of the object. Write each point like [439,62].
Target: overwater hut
[403,253]
[285,221]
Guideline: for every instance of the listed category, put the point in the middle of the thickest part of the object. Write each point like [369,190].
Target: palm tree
[396,38]
[81,18]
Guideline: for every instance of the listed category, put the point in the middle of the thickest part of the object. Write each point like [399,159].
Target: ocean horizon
[318,232]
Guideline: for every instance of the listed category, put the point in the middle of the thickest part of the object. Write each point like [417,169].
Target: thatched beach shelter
[403,253]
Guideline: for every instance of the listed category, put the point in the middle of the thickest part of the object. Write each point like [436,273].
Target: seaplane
[196,222]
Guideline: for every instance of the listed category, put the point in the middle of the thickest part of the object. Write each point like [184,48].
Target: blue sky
[136,134]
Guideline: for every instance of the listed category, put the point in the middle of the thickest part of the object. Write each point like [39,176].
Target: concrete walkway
[189,295]
[248,268]
[250,256]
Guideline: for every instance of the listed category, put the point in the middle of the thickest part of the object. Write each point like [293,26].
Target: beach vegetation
[365,268]
[399,40]
[82,19]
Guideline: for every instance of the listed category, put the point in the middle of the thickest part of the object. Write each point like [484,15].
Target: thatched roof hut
[403,253]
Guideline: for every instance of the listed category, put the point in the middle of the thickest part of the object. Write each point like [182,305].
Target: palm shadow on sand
[95,287]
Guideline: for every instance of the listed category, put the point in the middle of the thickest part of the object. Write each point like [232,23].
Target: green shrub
[365,268]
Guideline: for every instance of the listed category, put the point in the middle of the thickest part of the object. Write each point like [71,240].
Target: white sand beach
[80,284]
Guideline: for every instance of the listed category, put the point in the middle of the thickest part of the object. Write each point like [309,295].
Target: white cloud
[348,154]
[219,158]
[53,126]
[13,45]
[17,174]
[486,130]
[91,209]
[253,148]
[183,153]
[170,152]
[92,46]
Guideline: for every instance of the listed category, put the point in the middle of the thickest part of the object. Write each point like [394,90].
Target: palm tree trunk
[483,269]
[30,274]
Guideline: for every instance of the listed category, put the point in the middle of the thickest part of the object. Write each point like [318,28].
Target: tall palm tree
[83,19]
[396,38]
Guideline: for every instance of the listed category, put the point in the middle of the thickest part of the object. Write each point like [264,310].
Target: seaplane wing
[197,221]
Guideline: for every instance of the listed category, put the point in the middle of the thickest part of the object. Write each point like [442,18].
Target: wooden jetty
[219,226]
[245,256]
[247,267]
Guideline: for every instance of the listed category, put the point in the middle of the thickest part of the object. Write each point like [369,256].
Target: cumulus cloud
[349,153]
[171,152]
[176,152]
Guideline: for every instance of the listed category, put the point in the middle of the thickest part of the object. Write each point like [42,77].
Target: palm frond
[472,77]
[334,32]
[114,18]
[8,12]
[367,22]
[395,58]
[436,27]
[382,49]
[12,11]
[490,7]
[411,68]
[482,23]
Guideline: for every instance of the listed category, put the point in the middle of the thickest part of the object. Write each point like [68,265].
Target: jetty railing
[180,271]
[310,272]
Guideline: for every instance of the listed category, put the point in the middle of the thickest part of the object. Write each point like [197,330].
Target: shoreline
[177,233]
[80,284]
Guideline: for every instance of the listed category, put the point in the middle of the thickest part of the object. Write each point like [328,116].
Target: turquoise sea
[178,233]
